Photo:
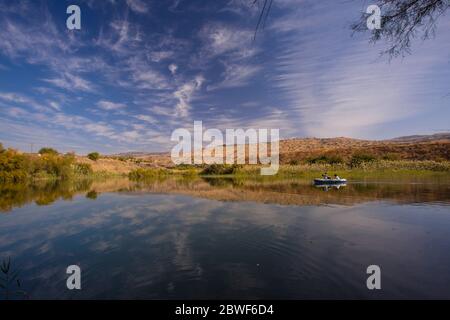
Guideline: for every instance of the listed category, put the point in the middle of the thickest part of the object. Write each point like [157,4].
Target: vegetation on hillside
[94,156]
[297,158]
[19,167]
[51,151]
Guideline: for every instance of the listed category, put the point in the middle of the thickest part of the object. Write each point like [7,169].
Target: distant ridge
[414,147]
[424,138]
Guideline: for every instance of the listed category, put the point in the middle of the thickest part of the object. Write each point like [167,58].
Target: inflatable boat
[329,181]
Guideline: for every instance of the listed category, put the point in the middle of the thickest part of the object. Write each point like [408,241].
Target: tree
[1,148]
[50,151]
[402,21]
[94,156]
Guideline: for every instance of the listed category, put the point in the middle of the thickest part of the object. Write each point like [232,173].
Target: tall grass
[378,168]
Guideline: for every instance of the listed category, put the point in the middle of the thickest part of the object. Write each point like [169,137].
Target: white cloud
[16,112]
[138,6]
[161,111]
[184,95]
[173,68]
[236,75]
[23,100]
[55,105]
[220,39]
[146,118]
[131,135]
[157,56]
[109,105]
[71,82]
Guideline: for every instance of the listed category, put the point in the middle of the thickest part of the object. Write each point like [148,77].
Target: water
[228,239]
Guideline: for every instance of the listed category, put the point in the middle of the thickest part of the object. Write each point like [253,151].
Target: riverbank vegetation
[19,167]
[356,169]
[48,164]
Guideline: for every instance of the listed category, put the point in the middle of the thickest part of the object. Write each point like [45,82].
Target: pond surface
[228,239]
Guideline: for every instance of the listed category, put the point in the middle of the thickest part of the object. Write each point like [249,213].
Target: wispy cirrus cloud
[138,6]
[185,94]
[109,105]
[348,91]
[236,75]
[71,82]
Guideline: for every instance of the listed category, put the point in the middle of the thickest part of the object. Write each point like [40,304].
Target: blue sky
[139,69]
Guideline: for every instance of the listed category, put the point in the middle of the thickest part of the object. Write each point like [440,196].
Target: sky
[137,70]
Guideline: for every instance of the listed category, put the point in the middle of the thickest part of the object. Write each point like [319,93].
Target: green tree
[52,151]
[14,167]
[94,156]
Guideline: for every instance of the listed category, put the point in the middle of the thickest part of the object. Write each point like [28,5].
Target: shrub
[94,156]
[360,158]
[83,169]
[18,167]
[220,169]
[391,156]
[325,159]
[52,151]
[55,166]
[92,195]
[14,167]
[294,162]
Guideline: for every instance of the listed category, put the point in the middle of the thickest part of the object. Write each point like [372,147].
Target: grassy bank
[382,169]
[375,169]
[16,167]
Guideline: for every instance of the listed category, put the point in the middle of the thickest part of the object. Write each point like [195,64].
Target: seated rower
[336,177]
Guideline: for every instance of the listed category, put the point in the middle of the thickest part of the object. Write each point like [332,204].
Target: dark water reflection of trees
[289,191]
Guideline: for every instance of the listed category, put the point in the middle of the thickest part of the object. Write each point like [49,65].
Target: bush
[55,166]
[391,156]
[220,169]
[14,167]
[48,151]
[94,156]
[82,169]
[325,159]
[92,195]
[294,162]
[360,158]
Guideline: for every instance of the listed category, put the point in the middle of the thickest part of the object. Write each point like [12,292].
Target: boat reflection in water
[327,187]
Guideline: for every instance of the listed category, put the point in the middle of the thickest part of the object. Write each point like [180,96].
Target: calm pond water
[228,239]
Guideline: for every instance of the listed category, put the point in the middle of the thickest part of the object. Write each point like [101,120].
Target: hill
[418,147]
[432,147]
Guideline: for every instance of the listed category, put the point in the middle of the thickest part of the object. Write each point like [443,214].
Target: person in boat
[325,176]
[336,177]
